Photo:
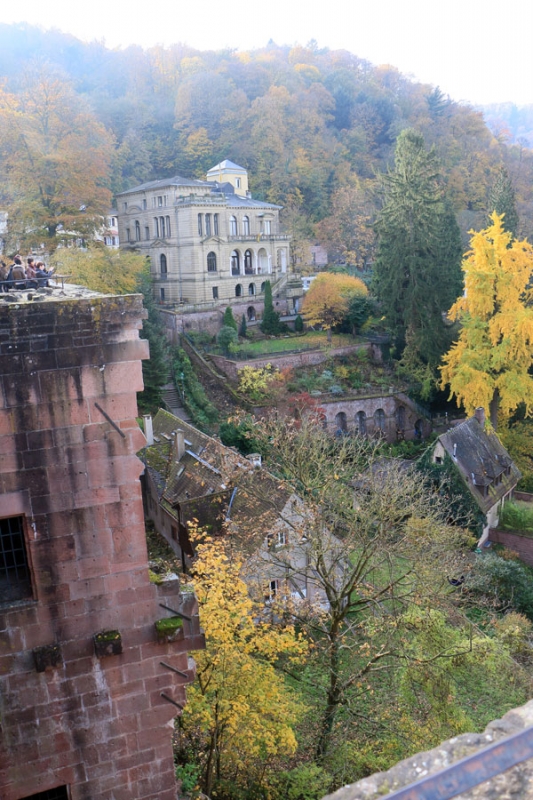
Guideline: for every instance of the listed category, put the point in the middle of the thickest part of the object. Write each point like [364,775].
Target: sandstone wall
[69,372]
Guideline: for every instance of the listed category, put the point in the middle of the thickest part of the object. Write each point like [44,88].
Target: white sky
[479,51]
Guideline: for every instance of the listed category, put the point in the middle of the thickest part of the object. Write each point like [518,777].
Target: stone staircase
[173,403]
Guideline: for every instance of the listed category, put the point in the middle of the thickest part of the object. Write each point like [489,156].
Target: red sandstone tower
[87,693]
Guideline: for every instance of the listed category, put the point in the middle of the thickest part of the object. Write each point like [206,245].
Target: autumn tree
[502,200]
[328,299]
[490,363]
[417,273]
[239,714]
[54,162]
[371,538]
[100,268]
[347,232]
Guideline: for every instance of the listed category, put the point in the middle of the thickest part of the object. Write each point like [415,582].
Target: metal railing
[470,771]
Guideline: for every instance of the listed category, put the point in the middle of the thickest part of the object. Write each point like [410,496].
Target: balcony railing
[260,237]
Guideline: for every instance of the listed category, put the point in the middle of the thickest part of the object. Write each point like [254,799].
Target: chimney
[255,458]
[479,414]
[180,445]
[148,429]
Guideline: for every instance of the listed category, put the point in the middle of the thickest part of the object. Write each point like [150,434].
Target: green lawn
[306,341]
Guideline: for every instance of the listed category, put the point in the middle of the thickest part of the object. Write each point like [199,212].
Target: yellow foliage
[100,268]
[328,298]
[495,348]
[239,702]
[255,381]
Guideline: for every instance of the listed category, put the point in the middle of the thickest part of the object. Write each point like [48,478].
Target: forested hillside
[315,127]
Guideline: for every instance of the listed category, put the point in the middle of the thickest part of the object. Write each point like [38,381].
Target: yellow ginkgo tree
[489,364]
[239,713]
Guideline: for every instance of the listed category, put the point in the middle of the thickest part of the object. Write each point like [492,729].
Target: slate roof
[226,164]
[212,476]
[484,463]
[177,180]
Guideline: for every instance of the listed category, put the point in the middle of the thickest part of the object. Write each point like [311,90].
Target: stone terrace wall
[514,540]
[516,783]
[69,373]
[302,358]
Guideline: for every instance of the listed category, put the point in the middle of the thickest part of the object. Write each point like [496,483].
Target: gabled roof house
[483,463]
[192,479]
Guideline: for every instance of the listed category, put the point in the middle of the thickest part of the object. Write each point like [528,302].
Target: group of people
[17,276]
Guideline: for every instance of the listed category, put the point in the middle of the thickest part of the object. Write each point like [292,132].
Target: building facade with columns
[208,242]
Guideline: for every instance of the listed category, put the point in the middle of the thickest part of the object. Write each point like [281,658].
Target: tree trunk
[332,703]
[493,409]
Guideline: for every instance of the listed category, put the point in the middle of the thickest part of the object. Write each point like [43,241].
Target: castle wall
[69,477]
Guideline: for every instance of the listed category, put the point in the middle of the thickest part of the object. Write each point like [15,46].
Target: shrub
[239,434]
[519,518]
[298,324]
[227,339]
[514,630]
[502,583]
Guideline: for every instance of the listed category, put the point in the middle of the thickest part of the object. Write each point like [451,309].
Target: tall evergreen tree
[270,324]
[502,201]
[156,368]
[229,320]
[417,273]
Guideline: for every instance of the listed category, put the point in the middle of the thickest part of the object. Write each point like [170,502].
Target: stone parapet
[516,783]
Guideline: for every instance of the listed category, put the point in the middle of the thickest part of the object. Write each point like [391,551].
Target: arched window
[168,225]
[162,227]
[146,232]
[238,290]
[246,226]
[251,289]
[233,226]
[341,422]
[248,263]
[250,313]
[163,263]
[360,419]
[137,231]
[379,420]
[235,263]
[215,224]
[211,262]
[400,417]
[199,224]
[263,261]
[263,287]
[208,224]
[156,228]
